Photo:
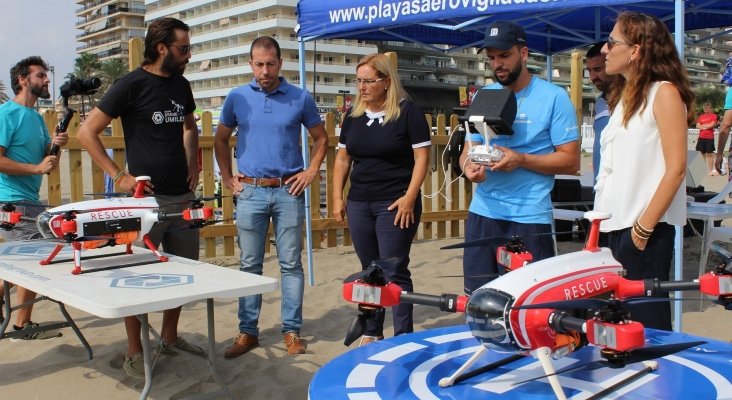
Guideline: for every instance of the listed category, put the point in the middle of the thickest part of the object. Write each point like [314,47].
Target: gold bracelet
[642,229]
[640,234]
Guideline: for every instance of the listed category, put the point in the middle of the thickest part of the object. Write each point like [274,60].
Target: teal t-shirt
[25,138]
[545,119]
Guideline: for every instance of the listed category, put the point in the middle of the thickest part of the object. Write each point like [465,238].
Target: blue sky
[44,28]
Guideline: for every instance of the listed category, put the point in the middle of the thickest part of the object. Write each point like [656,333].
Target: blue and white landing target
[410,367]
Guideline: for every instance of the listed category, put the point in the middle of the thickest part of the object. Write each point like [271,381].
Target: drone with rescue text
[105,222]
[548,308]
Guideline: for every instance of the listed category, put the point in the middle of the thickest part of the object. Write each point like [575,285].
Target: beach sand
[58,368]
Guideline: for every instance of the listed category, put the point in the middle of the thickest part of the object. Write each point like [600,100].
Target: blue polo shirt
[544,119]
[25,138]
[602,116]
[269,125]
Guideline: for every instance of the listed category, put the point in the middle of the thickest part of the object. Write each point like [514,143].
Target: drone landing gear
[543,354]
[150,245]
[460,375]
[650,366]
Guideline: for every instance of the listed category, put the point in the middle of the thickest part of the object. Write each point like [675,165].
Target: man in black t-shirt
[155,104]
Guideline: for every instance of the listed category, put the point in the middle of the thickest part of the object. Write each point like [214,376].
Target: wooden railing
[441,218]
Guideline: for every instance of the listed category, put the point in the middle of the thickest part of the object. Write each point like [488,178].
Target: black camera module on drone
[74,87]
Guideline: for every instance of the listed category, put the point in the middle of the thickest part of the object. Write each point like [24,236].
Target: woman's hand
[405,212]
[339,211]
[639,243]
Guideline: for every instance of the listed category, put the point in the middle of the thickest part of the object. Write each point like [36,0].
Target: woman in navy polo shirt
[386,139]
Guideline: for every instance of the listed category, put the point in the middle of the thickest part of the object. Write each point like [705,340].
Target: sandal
[369,339]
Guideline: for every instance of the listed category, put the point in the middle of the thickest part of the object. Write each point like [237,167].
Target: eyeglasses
[367,82]
[612,43]
[183,49]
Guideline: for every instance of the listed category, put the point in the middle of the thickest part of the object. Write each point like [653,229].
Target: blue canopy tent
[551,26]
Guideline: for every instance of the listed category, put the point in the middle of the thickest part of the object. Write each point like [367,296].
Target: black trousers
[652,262]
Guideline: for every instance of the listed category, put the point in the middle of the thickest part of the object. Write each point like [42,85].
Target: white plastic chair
[714,233]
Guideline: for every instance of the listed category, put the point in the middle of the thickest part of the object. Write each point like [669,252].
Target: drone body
[548,308]
[113,221]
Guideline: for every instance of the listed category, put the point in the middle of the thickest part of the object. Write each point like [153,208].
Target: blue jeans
[376,237]
[255,206]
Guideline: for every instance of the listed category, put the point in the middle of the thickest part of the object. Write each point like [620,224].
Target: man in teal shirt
[24,158]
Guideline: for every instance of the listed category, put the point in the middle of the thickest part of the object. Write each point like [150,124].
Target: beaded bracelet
[638,232]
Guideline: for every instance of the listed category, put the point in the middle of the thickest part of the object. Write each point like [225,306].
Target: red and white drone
[533,308]
[106,222]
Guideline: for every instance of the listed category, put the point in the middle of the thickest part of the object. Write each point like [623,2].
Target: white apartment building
[106,26]
[222,32]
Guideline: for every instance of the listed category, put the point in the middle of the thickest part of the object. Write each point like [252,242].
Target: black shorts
[705,145]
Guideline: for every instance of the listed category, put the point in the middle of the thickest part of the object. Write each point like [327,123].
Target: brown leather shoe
[294,343]
[243,342]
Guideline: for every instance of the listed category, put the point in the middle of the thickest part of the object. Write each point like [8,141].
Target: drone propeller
[356,330]
[195,201]
[76,239]
[637,355]
[495,240]
[10,205]
[109,194]
[594,303]
[198,225]
[491,276]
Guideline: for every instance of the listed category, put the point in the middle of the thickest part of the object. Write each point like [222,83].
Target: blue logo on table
[38,249]
[151,281]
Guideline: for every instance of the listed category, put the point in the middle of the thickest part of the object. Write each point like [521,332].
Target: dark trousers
[481,261]
[376,237]
[653,262]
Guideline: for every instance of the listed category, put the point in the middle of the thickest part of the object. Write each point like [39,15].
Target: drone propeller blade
[494,240]
[651,352]
[492,276]
[637,355]
[109,194]
[595,303]
[478,243]
[356,330]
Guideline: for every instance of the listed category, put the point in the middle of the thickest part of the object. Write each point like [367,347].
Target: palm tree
[3,95]
[111,70]
[86,65]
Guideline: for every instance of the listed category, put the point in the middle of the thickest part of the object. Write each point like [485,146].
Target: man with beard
[155,104]
[24,159]
[513,195]
[595,62]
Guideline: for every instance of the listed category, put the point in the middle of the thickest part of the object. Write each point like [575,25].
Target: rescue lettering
[585,288]
[110,214]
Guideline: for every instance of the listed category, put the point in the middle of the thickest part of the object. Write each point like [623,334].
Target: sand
[58,368]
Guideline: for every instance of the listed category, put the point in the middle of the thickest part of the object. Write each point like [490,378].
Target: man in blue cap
[513,195]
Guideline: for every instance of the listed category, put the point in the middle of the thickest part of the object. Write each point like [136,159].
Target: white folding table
[114,285]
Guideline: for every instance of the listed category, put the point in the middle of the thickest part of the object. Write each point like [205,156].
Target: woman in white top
[643,153]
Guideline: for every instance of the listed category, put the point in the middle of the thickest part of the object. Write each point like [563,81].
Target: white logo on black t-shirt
[174,116]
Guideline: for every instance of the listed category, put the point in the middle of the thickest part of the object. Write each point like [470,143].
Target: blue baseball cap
[503,35]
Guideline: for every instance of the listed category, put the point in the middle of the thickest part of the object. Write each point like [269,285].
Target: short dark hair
[594,51]
[161,31]
[22,68]
[265,42]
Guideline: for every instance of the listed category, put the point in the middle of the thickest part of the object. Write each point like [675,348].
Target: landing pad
[410,366]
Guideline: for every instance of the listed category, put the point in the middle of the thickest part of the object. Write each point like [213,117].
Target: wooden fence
[442,214]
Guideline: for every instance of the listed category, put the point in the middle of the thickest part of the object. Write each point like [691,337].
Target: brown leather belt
[266,182]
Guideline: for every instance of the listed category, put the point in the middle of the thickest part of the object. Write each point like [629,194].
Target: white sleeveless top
[631,168]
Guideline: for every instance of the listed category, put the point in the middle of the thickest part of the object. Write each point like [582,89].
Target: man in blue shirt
[269,184]
[595,62]
[513,194]
[24,159]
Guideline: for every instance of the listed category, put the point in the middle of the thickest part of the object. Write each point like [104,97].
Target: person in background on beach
[644,149]
[387,140]
[705,143]
[726,123]
[513,195]
[155,104]
[595,61]
[24,159]
[269,113]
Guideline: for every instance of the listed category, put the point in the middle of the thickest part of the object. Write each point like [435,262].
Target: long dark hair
[161,31]
[658,60]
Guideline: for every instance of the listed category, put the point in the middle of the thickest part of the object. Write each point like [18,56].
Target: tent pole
[679,24]
[306,162]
